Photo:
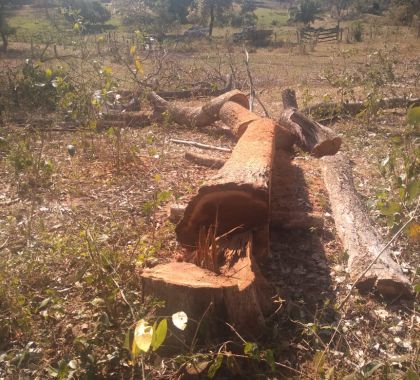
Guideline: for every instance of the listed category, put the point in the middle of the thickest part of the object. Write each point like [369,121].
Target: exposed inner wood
[359,236]
[311,136]
[239,293]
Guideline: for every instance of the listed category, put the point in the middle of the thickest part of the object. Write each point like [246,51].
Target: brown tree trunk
[311,136]
[238,195]
[211,23]
[198,116]
[360,237]
[5,42]
[331,109]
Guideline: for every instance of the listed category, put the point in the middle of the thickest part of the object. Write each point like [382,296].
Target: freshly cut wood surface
[197,116]
[360,237]
[239,294]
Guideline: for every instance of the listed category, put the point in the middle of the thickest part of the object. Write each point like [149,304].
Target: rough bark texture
[359,236]
[205,160]
[238,195]
[198,92]
[198,116]
[237,117]
[331,109]
[311,136]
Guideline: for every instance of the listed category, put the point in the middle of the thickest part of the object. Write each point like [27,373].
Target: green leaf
[411,375]
[217,363]
[269,357]
[413,190]
[159,334]
[142,336]
[127,341]
[139,66]
[251,349]
[318,361]
[369,369]
[413,115]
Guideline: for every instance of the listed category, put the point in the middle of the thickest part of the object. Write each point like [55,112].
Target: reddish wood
[205,160]
[239,294]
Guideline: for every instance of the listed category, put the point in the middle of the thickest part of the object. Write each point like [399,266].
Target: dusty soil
[73,243]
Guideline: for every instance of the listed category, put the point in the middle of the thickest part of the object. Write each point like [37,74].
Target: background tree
[90,12]
[247,12]
[307,12]
[207,10]
[5,29]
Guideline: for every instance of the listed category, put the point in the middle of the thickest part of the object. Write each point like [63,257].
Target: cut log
[237,118]
[199,91]
[204,160]
[239,294]
[311,136]
[360,237]
[331,109]
[197,116]
[125,119]
[238,195]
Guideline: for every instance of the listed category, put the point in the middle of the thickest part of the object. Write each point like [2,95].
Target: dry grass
[73,239]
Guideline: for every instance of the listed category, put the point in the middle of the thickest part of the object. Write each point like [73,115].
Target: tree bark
[360,237]
[198,92]
[211,23]
[238,195]
[198,116]
[311,136]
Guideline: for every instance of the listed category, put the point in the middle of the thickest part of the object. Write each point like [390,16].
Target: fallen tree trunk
[238,195]
[331,109]
[204,160]
[199,91]
[311,136]
[197,116]
[360,237]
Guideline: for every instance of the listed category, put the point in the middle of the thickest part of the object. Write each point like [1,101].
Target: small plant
[401,169]
[357,31]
